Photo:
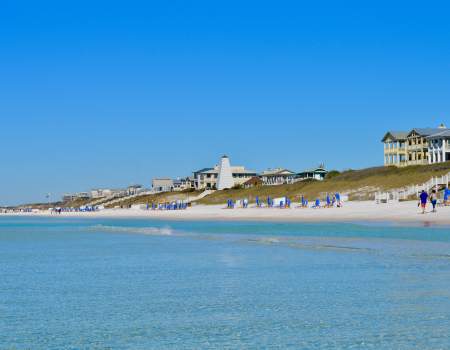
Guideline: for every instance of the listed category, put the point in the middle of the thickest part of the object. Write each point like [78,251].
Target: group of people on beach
[431,197]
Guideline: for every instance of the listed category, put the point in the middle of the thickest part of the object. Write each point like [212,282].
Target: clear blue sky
[110,93]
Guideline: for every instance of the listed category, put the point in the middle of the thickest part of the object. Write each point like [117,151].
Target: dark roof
[253,180]
[314,170]
[426,131]
[203,170]
[442,133]
[396,135]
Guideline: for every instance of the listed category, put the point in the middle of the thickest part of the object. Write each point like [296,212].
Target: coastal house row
[417,146]
[98,193]
[208,178]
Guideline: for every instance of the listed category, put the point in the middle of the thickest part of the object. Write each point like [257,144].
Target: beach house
[69,197]
[183,183]
[415,147]
[318,173]
[207,178]
[395,148]
[162,185]
[134,189]
[277,176]
[439,147]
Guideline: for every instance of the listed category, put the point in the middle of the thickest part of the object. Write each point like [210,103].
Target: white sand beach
[364,211]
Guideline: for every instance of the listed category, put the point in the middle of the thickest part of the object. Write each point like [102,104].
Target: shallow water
[140,284]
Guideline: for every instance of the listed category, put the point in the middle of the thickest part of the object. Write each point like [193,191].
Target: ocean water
[140,284]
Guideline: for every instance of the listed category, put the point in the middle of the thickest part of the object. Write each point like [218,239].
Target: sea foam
[155,231]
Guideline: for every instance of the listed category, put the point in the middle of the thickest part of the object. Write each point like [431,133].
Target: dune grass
[155,198]
[359,184]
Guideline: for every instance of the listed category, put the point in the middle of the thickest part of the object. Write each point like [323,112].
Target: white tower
[225,179]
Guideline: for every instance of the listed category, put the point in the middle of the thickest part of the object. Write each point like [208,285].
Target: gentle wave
[155,231]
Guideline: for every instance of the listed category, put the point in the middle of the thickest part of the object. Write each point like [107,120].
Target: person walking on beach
[433,200]
[423,201]
[446,194]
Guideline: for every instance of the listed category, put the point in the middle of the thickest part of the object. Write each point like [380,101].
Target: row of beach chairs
[285,202]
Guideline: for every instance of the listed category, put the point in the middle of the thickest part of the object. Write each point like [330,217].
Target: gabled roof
[203,170]
[277,171]
[395,135]
[314,170]
[253,179]
[425,131]
[442,133]
[243,171]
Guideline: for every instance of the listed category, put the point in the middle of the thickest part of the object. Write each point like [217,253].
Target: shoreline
[405,213]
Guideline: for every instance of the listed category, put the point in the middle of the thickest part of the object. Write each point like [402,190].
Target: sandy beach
[401,212]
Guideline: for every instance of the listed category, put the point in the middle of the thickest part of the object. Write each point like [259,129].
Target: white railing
[406,192]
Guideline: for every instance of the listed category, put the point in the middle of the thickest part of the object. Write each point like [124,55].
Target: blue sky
[109,93]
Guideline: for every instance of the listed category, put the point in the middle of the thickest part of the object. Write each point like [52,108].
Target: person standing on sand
[328,201]
[446,194]
[433,200]
[338,199]
[423,201]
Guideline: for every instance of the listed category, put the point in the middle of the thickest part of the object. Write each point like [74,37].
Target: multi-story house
[207,178]
[416,147]
[395,148]
[439,147]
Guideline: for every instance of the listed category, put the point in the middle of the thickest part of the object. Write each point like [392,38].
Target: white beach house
[207,178]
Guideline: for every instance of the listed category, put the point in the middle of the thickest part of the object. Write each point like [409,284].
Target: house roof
[202,170]
[277,171]
[241,170]
[234,170]
[135,186]
[314,170]
[442,133]
[395,135]
[426,131]
[253,180]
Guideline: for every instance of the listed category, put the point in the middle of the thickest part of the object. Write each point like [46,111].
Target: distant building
[67,197]
[415,147]
[162,185]
[101,192]
[207,178]
[184,183]
[74,196]
[318,173]
[252,182]
[277,176]
[134,189]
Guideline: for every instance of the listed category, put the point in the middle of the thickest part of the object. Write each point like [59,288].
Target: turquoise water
[139,284]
